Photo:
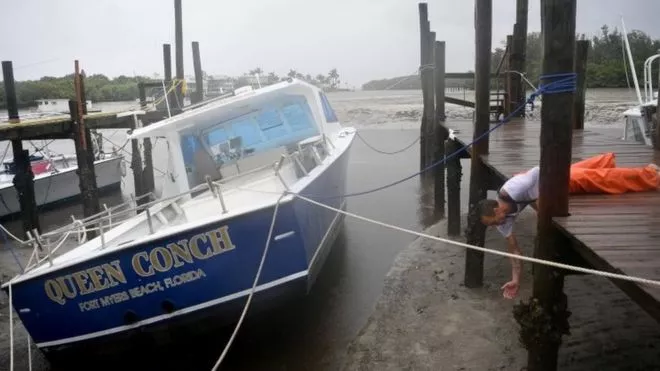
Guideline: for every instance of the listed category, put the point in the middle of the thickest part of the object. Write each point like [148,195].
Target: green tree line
[98,88]
[606,66]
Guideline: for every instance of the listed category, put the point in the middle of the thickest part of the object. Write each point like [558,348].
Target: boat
[639,125]
[56,179]
[187,259]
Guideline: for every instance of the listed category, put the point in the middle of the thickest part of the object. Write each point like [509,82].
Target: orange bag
[599,174]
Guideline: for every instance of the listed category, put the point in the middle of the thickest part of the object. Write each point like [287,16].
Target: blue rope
[11,248]
[567,83]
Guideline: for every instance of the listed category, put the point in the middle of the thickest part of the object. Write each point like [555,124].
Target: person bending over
[597,174]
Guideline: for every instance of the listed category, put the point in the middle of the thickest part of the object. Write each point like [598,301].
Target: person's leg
[602,161]
[614,180]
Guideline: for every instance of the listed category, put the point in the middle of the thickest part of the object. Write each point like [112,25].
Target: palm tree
[333,77]
[293,74]
[320,78]
[256,71]
[273,78]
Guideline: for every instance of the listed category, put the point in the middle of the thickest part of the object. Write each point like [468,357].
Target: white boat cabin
[238,135]
[56,105]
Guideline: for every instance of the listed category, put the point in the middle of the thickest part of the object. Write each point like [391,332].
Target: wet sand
[426,319]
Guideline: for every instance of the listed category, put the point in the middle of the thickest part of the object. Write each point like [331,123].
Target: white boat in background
[56,179]
[639,126]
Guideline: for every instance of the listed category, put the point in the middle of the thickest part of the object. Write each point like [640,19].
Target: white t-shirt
[521,188]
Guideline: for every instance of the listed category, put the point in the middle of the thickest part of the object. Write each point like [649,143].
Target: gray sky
[363,39]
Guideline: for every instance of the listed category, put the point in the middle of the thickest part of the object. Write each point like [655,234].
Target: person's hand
[510,289]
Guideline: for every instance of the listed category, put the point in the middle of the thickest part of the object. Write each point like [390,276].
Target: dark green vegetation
[606,67]
[100,88]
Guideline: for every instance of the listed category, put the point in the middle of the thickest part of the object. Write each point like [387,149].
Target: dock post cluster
[79,126]
[433,132]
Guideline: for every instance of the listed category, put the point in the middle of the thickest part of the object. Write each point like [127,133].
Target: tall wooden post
[454,175]
[24,178]
[580,68]
[148,171]
[430,105]
[558,30]
[441,132]
[178,39]
[167,67]
[506,102]
[474,260]
[517,64]
[199,78]
[424,30]
[136,166]
[521,22]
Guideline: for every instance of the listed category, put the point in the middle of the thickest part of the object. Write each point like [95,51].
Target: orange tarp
[599,174]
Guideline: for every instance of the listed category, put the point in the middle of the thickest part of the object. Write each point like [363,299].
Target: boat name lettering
[160,259]
[174,255]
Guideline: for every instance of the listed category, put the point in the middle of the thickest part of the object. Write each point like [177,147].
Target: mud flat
[426,319]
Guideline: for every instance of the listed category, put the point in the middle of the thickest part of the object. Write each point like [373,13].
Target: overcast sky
[363,39]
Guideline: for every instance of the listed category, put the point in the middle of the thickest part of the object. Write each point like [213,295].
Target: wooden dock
[613,233]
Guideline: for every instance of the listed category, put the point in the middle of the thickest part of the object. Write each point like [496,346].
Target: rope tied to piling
[565,83]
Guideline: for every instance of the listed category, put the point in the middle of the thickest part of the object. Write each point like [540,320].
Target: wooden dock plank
[614,233]
[61,127]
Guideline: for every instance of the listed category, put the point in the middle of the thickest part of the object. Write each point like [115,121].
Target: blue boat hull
[183,280]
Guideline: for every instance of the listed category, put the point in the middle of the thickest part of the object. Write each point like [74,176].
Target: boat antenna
[632,63]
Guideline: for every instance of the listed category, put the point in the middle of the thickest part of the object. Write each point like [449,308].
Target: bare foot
[510,289]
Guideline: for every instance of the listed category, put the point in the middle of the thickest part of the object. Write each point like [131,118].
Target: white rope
[29,351]
[490,251]
[11,235]
[11,331]
[254,285]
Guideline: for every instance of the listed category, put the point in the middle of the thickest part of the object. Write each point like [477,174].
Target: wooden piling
[431,121]
[167,66]
[476,231]
[24,178]
[136,167]
[549,301]
[441,132]
[522,12]
[506,102]
[518,65]
[580,68]
[178,35]
[199,80]
[85,171]
[148,171]
[454,175]
[424,30]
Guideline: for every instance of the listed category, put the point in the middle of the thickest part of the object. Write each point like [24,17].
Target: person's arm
[516,266]
[511,288]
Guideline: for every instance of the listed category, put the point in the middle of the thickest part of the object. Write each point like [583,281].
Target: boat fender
[122,168]
[168,306]
[130,317]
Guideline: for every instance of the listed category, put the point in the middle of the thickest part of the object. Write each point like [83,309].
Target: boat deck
[614,233]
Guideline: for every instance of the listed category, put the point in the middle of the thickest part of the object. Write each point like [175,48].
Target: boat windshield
[253,138]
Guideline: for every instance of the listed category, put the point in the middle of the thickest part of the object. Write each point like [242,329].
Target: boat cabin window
[330,115]
[252,138]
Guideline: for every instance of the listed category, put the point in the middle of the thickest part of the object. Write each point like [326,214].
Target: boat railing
[44,246]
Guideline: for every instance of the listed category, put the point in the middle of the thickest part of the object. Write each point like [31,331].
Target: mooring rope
[254,285]
[565,83]
[357,133]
